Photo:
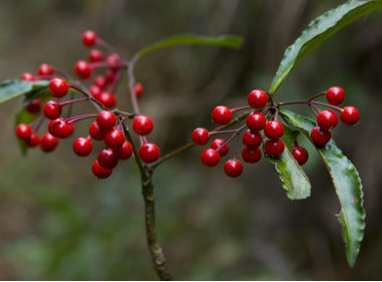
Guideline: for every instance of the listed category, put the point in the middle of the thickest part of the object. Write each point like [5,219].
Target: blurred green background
[58,222]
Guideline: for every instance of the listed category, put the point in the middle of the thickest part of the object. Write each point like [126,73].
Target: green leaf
[13,88]
[229,41]
[318,31]
[347,183]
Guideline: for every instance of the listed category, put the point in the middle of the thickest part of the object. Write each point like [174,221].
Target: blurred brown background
[58,222]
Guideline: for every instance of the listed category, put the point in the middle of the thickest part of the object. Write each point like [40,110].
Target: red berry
[107,158]
[256,121]
[114,61]
[257,99]
[110,76]
[320,137]
[107,99]
[327,119]
[27,77]
[100,172]
[95,56]
[200,136]
[251,154]
[233,168]
[100,81]
[58,87]
[52,109]
[210,157]
[34,106]
[125,151]
[114,138]
[138,89]
[149,152]
[216,145]
[89,38]
[349,115]
[274,148]
[95,131]
[95,91]
[335,95]
[83,69]
[45,70]
[106,120]
[23,131]
[274,129]
[82,146]
[300,154]
[33,140]
[221,115]
[142,125]
[60,128]
[251,139]
[48,142]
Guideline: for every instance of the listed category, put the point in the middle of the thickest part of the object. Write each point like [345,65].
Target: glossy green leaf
[318,31]
[13,88]
[229,41]
[347,183]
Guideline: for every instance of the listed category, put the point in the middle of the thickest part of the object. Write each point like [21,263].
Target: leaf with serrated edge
[13,88]
[318,31]
[347,183]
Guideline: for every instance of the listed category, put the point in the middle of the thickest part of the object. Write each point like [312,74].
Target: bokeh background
[58,222]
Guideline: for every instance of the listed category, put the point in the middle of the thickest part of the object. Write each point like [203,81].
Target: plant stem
[130,69]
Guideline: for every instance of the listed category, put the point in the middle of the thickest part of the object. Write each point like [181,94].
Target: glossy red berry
[83,69]
[58,87]
[27,77]
[89,38]
[256,121]
[300,154]
[101,172]
[257,99]
[335,95]
[349,115]
[138,89]
[252,139]
[327,119]
[274,148]
[45,70]
[60,128]
[114,138]
[200,136]
[216,145]
[142,125]
[110,76]
[107,99]
[251,154]
[107,158]
[320,137]
[149,152]
[125,151]
[95,56]
[95,131]
[34,106]
[52,109]
[106,120]
[221,115]
[33,140]
[82,146]
[233,168]
[95,91]
[48,142]
[210,157]
[100,81]
[114,61]
[274,129]
[23,131]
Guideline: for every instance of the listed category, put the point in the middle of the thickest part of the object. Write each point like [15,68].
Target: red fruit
[300,154]
[33,140]
[95,56]
[52,109]
[256,121]
[257,99]
[34,106]
[106,120]
[108,159]
[349,115]
[149,152]
[48,142]
[125,151]
[251,139]
[110,76]
[60,128]
[100,81]
[100,172]
[58,87]
[200,136]
[327,119]
[107,99]
[320,137]
[27,77]
[210,157]
[274,148]
[89,38]
[114,61]
[142,125]
[95,91]
[335,95]
[216,145]
[83,69]
[45,70]
[274,129]
[233,168]
[95,131]
[251,155]
[221,115]
[114,138]
[138,89]
[82,146]
[23,131]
